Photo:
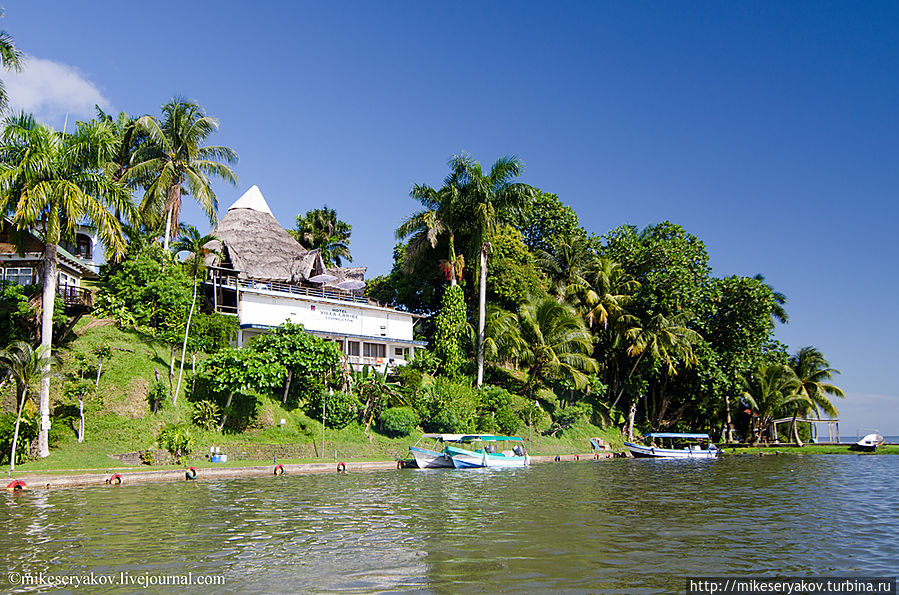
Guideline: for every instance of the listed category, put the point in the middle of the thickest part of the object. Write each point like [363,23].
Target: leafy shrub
[17,320]
[425,361]
[340,409]
[496,412]
[157,394]
[27,432]
[447,405]
[211,332]
[206,414]
[146,288]
[399,421]
[310,359]
[176,439]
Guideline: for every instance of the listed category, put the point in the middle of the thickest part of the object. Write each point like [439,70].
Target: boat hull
[430,459]
[466,459]
[650,452]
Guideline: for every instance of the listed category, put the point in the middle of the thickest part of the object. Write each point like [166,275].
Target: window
[374,350]
[401,352]
[352,348]
[83,247]
[19,276]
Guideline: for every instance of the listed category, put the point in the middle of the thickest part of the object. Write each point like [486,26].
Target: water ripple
[621,526]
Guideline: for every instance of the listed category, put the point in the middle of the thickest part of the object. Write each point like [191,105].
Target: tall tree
[174,163]
[25,365]
[320,229]
[813,371]
[53,181]
[490,199]
[12,59]
[442,217]
[667,342]
[192,242]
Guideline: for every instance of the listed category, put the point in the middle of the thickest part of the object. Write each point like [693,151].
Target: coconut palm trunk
[287,386]
[15,434]
[184,345]
[80,419]
[225,410]
[48,300]
[482,314]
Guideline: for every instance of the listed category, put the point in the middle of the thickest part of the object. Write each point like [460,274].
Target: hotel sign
[332,314]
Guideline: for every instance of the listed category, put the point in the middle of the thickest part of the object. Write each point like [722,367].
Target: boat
[487,455]
[436,457]
[674,445]
[869,443]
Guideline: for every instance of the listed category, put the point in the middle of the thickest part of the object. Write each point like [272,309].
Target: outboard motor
[518,450]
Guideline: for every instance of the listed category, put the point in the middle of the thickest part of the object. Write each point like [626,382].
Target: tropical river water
[616,526]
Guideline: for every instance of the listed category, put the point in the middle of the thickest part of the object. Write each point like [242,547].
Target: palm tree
[568,263]
[492,199]
[53,181]
[553,343]
[320,229]
[190,241]
[667,341]
[779,300]
[443,215]
[770,390]
[177,165]
[25,365]
[606,293]
[12,59]
[130,139]
[813,370]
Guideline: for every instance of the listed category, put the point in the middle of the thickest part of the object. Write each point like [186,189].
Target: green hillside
[118,418]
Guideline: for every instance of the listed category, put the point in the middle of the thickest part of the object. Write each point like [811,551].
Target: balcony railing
[299,290]
[75,297]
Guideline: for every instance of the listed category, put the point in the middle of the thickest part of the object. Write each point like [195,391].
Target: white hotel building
[259,273]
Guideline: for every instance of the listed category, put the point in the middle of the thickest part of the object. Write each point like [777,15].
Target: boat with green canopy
[490,452]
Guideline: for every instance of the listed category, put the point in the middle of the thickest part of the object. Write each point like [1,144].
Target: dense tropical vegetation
[533,320]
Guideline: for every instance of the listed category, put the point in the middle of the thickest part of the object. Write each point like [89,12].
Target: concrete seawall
[49,481]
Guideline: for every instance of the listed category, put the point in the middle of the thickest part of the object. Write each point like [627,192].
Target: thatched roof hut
[255,245]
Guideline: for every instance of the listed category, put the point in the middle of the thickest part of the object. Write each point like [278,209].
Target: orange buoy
[16,486]
[279,469]
[191,473]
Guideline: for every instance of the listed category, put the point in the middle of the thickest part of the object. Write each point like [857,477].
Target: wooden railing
[75,296]
[281,287]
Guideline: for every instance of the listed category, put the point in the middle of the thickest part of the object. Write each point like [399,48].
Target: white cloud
[50,90]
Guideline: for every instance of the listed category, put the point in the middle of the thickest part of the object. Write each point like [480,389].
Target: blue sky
[768,130]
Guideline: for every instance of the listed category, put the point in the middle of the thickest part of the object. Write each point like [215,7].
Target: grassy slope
[118,420]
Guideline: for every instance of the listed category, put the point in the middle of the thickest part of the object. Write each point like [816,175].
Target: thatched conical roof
[250,238]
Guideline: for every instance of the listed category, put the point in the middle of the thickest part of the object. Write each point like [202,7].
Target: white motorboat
[869,443]
[674,445]
[436,456]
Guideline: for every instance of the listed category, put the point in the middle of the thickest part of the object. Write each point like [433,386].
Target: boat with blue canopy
[489,455]
[674,445]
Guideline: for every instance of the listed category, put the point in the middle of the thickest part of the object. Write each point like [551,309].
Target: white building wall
[272,310]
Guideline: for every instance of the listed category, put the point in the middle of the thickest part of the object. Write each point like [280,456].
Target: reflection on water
[619,526]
